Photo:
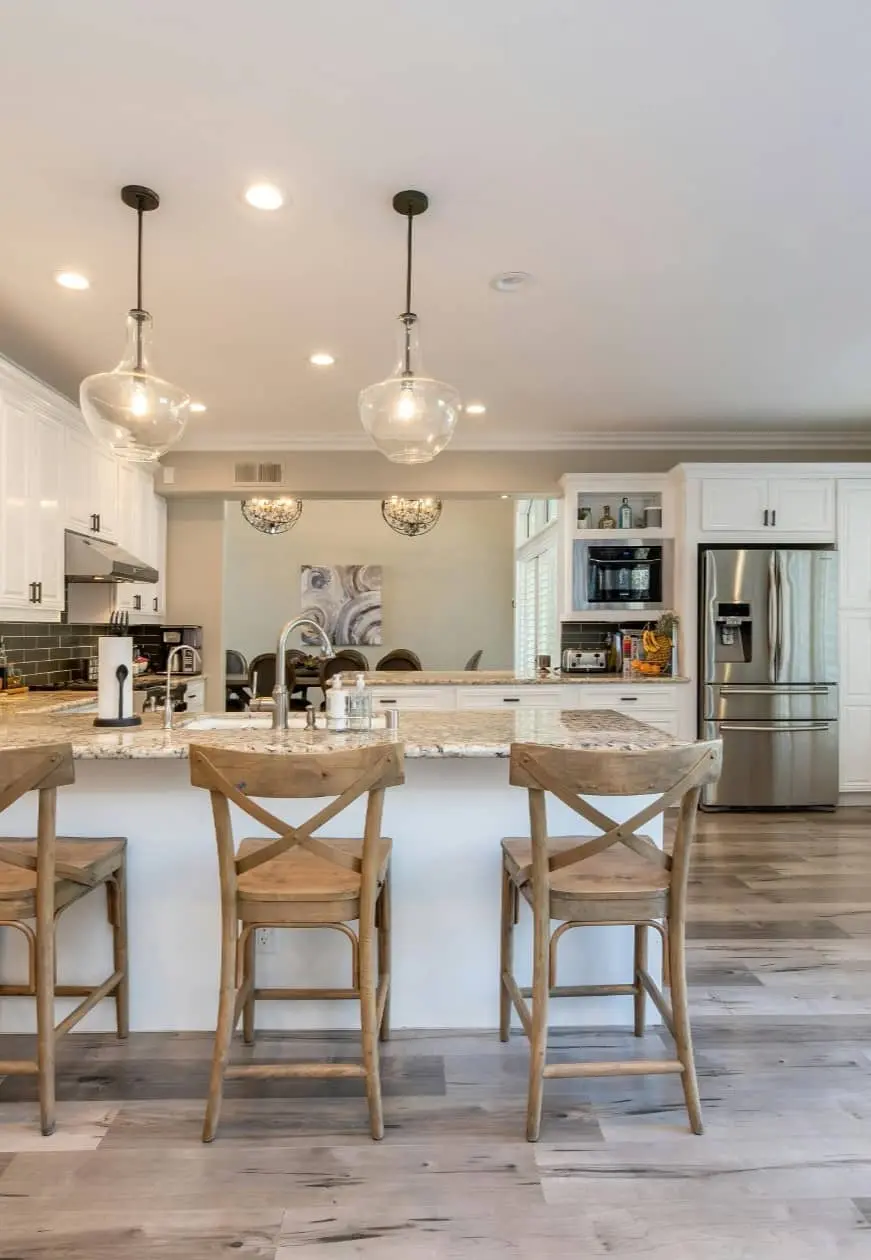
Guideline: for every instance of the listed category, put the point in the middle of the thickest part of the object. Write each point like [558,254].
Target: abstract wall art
[344,599]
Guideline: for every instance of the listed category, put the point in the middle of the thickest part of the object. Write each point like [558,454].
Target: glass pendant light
[130,410]
[410,417]
[411,517]
[272,516]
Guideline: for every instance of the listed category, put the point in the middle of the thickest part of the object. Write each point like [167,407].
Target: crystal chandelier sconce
[130,410]
[410,417]
[272,516]
[411,517]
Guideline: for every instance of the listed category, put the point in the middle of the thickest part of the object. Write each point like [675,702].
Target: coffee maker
[184,637]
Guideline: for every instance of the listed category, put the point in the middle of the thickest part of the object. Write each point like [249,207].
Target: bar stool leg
[538,1040]
[250,972]
[682,1032]
[385,927]
[369,1022]
[224,1030]
[116,904]
[506,954]
[640,961]
[45,1044]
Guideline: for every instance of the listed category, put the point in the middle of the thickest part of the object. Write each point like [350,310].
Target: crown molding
[668,439]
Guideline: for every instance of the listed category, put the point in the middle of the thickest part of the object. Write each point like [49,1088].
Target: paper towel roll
[113,652]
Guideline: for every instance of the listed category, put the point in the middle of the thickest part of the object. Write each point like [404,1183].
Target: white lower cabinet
[655,704]
[195,695]
[413,698]
[472,697]
[855,747]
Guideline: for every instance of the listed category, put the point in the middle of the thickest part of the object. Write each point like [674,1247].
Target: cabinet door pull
[511,699]
[39,592]
[628,699]
[94,522]
[380,701]
[97,526]
[765,519]
[137,603]
[32,593]
[774,516]
[154,602]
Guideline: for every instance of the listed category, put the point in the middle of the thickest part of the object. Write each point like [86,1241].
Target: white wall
[444,595]
[194,589]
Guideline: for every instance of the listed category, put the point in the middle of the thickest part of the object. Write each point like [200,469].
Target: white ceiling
[688,181]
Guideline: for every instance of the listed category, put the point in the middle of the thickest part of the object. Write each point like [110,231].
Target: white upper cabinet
[31,546]
[854,543]
[92,486]
[734,503]
[769,506]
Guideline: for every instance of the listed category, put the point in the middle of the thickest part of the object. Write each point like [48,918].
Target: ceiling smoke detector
[510,281]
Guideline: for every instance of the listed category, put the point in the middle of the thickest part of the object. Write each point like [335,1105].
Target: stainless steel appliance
[768,645]
[95,560]
[619,577]
[180,636]
[581,661]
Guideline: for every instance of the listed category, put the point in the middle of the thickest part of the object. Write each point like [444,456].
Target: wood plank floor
[780,958]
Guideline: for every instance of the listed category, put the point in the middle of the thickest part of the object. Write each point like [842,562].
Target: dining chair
[235,664]
[617,877]
[39,880]
[400,659]
[295,879]
[474,660]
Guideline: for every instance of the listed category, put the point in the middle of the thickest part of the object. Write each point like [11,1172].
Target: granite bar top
[504,678]
[441,734]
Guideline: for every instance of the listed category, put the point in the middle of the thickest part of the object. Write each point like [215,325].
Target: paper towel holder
[121,674]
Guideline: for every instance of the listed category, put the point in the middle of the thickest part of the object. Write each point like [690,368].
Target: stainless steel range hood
[95,560]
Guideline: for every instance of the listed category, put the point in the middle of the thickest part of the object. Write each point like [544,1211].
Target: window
[536,625]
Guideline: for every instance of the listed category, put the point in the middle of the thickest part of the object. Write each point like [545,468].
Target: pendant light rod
[142,200]
[409,203]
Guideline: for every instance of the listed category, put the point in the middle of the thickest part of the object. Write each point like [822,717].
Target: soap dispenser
[337,705]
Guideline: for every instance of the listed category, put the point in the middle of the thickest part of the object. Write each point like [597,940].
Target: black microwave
[612,577]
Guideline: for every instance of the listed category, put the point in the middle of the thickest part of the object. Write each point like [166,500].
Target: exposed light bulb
[406,406]
[139,401]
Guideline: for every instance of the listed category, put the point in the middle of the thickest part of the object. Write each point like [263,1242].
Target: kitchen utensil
[121,674]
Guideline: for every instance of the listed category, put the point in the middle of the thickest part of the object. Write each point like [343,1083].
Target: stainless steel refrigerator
[768,645]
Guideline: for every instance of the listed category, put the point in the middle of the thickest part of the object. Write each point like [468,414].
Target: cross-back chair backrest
[236,777]
[43,770]
[673,776]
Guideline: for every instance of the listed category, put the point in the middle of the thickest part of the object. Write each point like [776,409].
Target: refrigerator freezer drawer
[774,765]
[760,703]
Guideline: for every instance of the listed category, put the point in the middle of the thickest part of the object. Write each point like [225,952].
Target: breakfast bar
[446,822]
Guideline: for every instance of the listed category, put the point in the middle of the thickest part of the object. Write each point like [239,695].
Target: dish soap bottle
[337,709]
[606,520]
[360,706]
[624,515]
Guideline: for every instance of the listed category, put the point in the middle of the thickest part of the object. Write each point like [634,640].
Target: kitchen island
[450,816]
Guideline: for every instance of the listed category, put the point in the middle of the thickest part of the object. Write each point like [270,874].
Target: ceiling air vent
[258,474]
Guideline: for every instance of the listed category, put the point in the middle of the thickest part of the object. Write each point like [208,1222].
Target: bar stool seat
[95,859]
[608,876]
[301,876]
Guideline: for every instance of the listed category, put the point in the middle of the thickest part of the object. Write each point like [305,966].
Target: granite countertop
[504,678]
[442,734]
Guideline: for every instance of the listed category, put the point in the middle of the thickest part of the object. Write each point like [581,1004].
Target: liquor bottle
[624,515]
[606,520]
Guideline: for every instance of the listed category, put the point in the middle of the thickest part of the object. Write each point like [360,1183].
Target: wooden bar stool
[41,878]
[618,877]
[301,881]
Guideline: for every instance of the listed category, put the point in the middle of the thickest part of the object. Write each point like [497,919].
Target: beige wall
[195,581]
[444,595]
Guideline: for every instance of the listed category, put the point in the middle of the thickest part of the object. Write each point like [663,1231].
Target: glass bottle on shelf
[585,517]
[624,514]
[606,520]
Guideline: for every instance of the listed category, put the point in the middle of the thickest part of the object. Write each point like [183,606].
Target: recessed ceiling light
[197,406]
[321,359]
[510,281]
[264,197]
[475,409]
[72,280]
[504,496]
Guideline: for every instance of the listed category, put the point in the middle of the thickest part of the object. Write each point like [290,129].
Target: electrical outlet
[264,939]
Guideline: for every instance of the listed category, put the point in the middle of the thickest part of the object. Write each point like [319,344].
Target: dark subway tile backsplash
[55,653]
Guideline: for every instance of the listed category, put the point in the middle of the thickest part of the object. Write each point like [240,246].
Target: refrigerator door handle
[772,618]
[778,591]
[774,691]
[780,728]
